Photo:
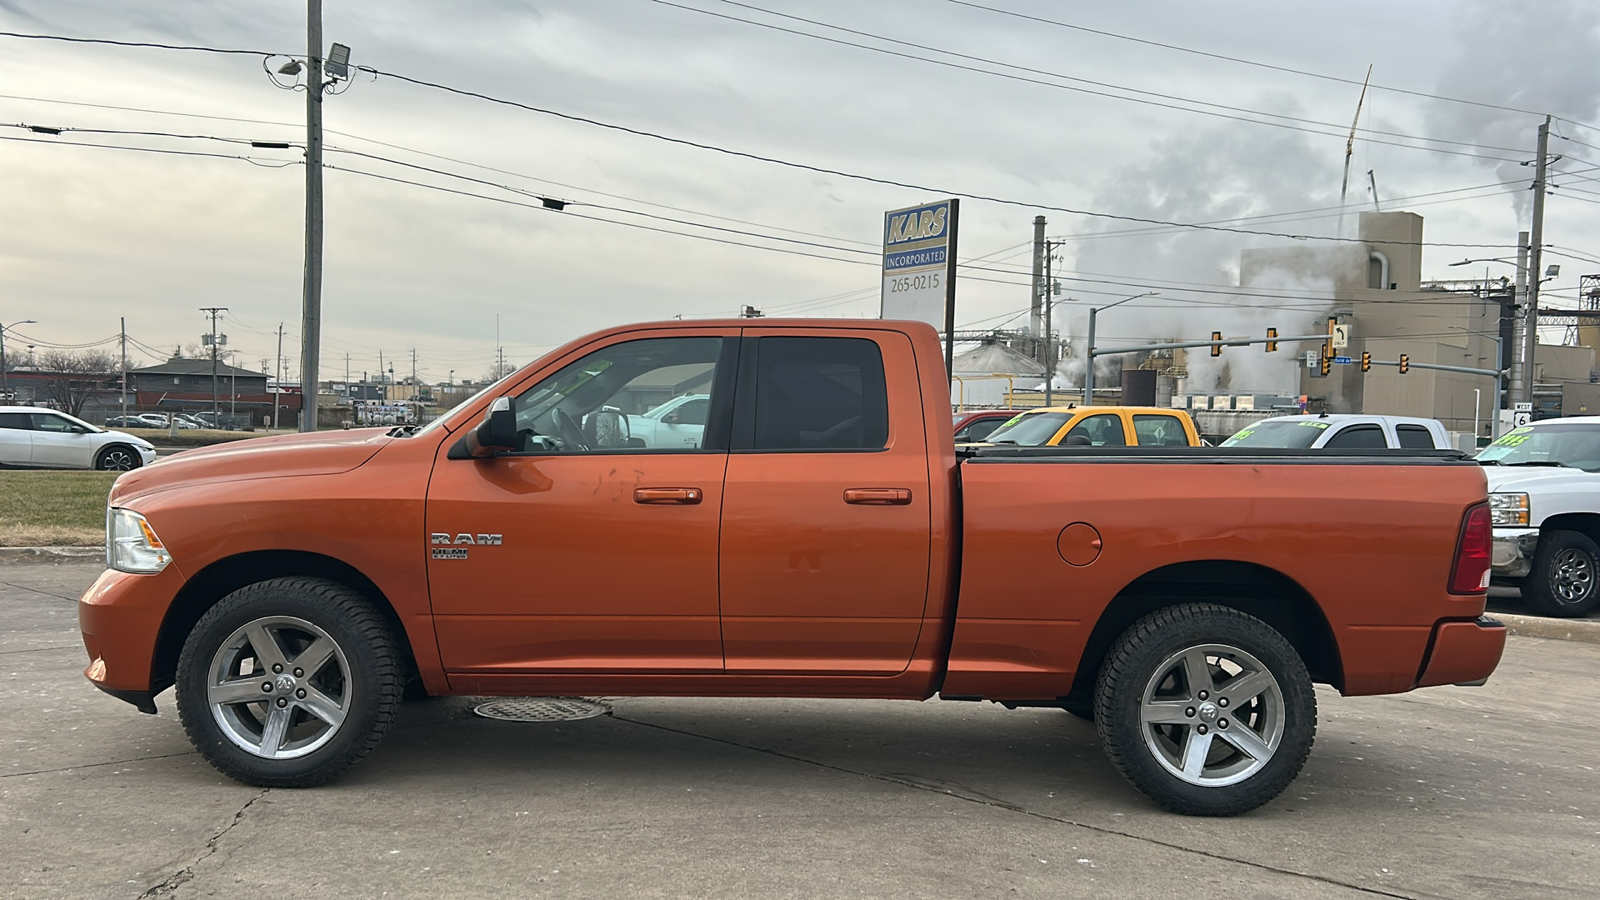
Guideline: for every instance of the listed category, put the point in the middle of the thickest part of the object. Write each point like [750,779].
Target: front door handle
[878,496]
[680,496]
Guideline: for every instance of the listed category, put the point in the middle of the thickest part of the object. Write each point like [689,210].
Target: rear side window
[820,394]
[1159,431]
[1414,437]
[17,421]
[1358,437]
[981,429]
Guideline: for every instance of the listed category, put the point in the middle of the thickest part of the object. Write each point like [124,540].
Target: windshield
[1550,444]
[1030,429]
[1294,434]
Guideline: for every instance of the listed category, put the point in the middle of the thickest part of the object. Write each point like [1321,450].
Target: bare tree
[74,377]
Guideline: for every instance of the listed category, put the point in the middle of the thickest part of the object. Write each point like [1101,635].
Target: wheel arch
[105,449]
[1586,524]
[223,577]
[1257,590]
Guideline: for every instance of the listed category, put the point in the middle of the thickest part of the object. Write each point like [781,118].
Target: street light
[1523,341]
[1088,371]
[3,384]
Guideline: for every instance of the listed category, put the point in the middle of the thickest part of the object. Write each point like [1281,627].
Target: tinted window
[1414,437]
[613,398]
[1357,437]
[981,429]
[1160,431]
[820,394]
[19,421]
[1104,430]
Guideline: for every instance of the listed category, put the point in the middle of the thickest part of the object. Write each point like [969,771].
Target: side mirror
[497,433]
[608,429]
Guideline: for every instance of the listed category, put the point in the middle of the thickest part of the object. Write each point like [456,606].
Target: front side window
[1357,437]
[1104,430]
[49,422]
[623,398]
[819,394]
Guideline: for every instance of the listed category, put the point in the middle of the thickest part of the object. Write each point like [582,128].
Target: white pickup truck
[1343,431]
[1544,499]
[676,424]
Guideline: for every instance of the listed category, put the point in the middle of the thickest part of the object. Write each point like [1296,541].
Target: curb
[50,554]
[1584,630]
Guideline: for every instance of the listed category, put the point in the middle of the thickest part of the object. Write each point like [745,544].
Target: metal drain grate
[541,709]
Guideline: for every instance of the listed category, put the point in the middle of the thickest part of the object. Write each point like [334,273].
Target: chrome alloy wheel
[1212,715]
[1574,575]
[279,687]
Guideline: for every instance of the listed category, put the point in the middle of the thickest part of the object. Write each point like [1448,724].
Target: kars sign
[919,263]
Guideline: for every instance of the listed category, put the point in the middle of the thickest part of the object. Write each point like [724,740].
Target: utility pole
[1519,323]
[1035,320]
[413,373]
[1049,304]
[1535,273]
[214,311]
[124,321]
[311,329]
[277,375]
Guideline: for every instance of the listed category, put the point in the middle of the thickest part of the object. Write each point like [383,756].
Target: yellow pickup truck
[1097,426]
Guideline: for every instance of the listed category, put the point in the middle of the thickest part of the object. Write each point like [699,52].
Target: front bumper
[147,455]
[1463,653]
[1512,555]
[120,617]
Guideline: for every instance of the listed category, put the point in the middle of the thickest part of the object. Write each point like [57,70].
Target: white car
[1544,506]
[1343,431]
[675,424]
[45,439]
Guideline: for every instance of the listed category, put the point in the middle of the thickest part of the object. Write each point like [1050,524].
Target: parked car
[1098,426]
[154,420]
[1544,495]
[46,439]
[675,424]
[814,540]
[977,424]
[1343,431]
[126,422]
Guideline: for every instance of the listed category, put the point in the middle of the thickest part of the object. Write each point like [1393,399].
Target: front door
[586,551]
[826,524]
[61,443]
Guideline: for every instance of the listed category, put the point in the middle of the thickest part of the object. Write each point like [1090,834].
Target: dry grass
[53,509]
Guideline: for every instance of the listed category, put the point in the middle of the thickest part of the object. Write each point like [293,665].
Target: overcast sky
[89,235]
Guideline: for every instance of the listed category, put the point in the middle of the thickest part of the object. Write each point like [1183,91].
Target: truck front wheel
[1563,580]
[1207,710]
[288,682]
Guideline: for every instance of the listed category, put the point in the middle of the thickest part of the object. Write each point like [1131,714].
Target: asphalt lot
[1447,792]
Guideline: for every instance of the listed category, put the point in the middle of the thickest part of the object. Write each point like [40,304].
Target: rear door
[825,517]
[16,439]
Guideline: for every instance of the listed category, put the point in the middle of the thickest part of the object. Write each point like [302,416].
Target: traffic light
[1216,349]
[1405,364]
[1324,365]
[1272,345]
[1366,361]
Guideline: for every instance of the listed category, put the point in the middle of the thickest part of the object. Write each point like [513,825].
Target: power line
[1338,132]
[1234,59]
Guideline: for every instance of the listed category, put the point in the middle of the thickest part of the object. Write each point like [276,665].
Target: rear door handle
[680,496]
[878,496]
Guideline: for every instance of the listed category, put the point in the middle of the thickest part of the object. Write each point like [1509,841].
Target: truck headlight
[132,545]
[1508,509]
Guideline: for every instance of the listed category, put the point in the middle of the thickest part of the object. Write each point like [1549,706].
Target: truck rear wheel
[1207,710]
[1565,578]
[288,682]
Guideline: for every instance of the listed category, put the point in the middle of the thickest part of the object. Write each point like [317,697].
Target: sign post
[919,268]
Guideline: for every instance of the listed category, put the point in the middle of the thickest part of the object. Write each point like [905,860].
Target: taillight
[1470,574]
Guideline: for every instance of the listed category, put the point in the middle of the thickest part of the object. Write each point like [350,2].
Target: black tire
[1565,579]
[1272,709]
[118,458]
[329,713]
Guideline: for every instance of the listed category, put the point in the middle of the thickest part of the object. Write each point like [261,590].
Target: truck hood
[280,456]
[1536,479]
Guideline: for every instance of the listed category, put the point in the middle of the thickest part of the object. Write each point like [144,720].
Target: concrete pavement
[1447,792]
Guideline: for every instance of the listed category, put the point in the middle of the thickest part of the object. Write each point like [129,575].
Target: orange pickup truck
[814,534]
